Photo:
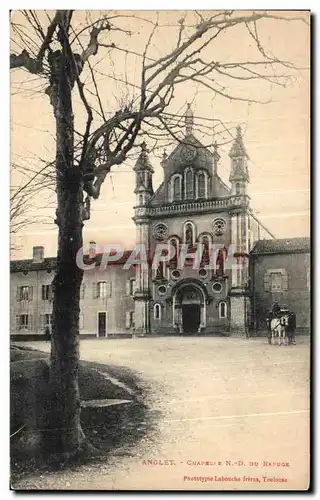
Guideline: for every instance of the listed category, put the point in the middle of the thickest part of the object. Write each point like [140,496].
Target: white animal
[278,329]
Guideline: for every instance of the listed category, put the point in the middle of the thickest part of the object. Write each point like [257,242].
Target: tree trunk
[65,397]
[64,429]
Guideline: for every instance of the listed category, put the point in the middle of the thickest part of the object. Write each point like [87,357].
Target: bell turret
[189,120]
[144,172]
[239,174]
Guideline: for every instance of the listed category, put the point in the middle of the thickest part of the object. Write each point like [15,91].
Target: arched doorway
[189,303]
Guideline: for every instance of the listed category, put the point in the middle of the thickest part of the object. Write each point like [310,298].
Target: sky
[276,135]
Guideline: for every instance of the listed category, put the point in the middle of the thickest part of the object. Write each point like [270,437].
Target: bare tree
[62,57]
[32,182]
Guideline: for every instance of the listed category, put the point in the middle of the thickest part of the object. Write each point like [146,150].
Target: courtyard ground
[228,413]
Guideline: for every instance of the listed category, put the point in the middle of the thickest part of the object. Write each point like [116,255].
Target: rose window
[160,231]
[188,153]
[219,226]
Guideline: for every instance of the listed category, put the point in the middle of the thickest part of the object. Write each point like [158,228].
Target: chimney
[38,255]
[92,249]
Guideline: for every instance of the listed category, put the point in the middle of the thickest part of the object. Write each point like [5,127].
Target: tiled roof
[29,265]
[51,262]
[285,245]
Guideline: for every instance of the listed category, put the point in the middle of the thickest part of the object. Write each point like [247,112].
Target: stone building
[106,297]
[194,206]
[280,270]
[226,288]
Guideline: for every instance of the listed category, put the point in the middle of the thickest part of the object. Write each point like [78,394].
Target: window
[102,289]
[189,236]
[46,292]
[237,188]
[160,231]
[48,319]
[157,311]
[162,290]
[82,290]
[45,321]
[276,280]
[174,242]
[23,322]
[222,310]
[24,293]
[217,287]
[202,185]
[205,242]
[203,273]
[176,192]
[189,184]
[175,275]
[140,199]
[219,226]
[221,261]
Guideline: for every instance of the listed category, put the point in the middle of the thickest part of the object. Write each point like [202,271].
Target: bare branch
[29,63]
[93,45]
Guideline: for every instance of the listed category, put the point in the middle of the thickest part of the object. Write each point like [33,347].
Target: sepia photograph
[160,252]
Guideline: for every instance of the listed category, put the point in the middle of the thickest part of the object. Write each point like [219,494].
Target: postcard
[160,250]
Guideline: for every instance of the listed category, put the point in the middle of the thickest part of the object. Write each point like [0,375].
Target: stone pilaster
[142,293]
[240,306]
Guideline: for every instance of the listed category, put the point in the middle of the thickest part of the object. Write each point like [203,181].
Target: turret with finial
[189,120]
[239,174]
[144,171]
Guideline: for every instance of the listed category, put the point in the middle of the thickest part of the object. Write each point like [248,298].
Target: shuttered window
[102,289]
[276,280]
[24,293]
[25,322]
[46,292]
[45,321]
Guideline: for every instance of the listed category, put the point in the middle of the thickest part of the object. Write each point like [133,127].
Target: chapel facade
[193,207]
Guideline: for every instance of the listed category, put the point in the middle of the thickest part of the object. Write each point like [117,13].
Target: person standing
[275,309]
